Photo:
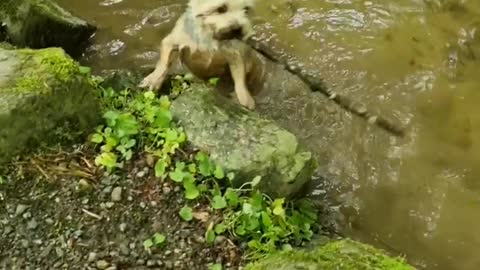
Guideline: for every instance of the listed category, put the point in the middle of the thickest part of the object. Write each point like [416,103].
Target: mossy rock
[44,98]
[243,142]
[42,24]
[335,255]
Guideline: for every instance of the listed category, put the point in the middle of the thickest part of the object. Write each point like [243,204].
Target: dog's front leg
[168,54]
[238,72]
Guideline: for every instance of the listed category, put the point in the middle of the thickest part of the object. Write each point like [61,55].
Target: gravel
[101,221]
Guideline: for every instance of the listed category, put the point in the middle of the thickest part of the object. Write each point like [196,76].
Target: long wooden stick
[317,85]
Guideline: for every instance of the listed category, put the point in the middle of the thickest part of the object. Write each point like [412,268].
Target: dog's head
[224,19]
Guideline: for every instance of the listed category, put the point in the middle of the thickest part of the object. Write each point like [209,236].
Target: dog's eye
[222,9]
[247,9]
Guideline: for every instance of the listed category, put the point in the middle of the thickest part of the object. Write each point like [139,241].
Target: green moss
[44,99]
[42,67]
[343,254]
[6,46]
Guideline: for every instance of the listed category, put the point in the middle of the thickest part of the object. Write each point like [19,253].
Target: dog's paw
[248,102]
[152,82]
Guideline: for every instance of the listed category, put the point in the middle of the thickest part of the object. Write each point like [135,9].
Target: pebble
[59,252]
[49,221]
[167,190]
[109,205]
[117,194]
[20,209]
[27,215]
[32,224]
[8,230]
[102,264]
[107,190]
[140,174]
[151,263]
[46,251]
[24,243]
[122,227]
[143,205]
[84,185]
[92,256]
[124,249]
[168,265]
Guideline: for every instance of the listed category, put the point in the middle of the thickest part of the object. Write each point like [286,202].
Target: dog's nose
[236,32]
[231,33]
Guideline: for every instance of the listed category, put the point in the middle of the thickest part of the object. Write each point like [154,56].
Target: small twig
[40,170]
[91,214]
[317,85]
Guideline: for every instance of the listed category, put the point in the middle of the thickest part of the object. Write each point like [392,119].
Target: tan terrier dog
[208,39]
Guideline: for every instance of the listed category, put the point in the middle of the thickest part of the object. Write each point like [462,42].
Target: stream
[413,61]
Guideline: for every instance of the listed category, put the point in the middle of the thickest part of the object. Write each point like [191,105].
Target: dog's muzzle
[234,32]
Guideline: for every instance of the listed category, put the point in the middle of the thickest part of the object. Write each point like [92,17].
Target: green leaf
[128,155]
[147,244]
[232,197]
[219,174]
[247,209]
[85,70]
[287,247]
[177,175]
[192,168]
[220,228]
[107,159]
[111,117]
[163,118]
[111,142]
[257,201]
[256,180]
[171,135]
[149,95]
[215,267]
[97,138]
[266,220]
[159,239]
[277,206]
[204,164]
[253,224]
[191,191]
[213,81]
[219,202]
[126,125]
[186,213]
[164,102]
[160,168]
[210,236]
[130,143]
[240,230]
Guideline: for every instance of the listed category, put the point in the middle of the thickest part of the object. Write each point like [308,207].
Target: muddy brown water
[415,61]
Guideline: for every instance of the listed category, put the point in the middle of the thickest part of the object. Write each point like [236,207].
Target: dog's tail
[317,85]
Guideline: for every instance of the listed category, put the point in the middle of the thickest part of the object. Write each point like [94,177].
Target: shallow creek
[415,61]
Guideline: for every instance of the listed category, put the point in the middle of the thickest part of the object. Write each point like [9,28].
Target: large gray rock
[44,98]
[341,254]
[244,143]
[41,24]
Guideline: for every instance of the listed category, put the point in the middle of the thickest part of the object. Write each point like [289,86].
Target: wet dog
[208,40]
